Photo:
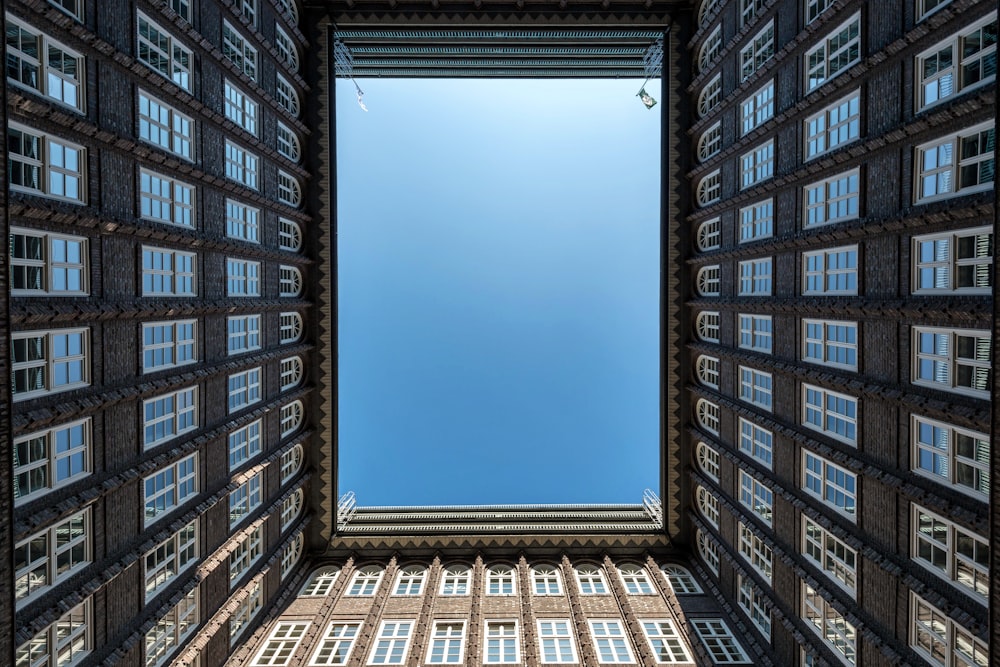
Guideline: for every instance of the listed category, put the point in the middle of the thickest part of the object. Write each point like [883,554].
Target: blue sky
[499,314]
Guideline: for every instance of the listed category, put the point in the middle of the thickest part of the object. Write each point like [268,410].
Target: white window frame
[245,389]
[941,451]
[749,9]
[830,554]
[816,7]
[320,582]
[165,127]
[832,343]
[830,271]
[237,49]
[546,580]
[757,221]
[172,281]
[51,556]
[242,221]
[291,508]
[175,63]
[710,142]
[832,127]
[365,581]
[757,109]
[940,170]
[410,580]
[708,281]
[938,364]
[831,413]
[719,641]
[168,559]
[46,263]
[291,417]
[166,200]
[940,76]
[707,370]
[169,344]
[707,325]
[167,416]
[829,624]
[758,51]
[240,107]
[757,165]
[169,488]
[756,497]
[73,8]
[681,581]
[281,644]
[67,641]
[63,455]
[456,580]
[291,463]
[287,96]
[756,552]
[246,609]
[834,199]
[504,643]
[708,505]
[292,370]
[290,327]
[709,190]
[665,641]
[245,499]
[290,282]
[68,89]
[756,442]
[752,602]
[291,554]
[708,415]
[287,143]
[708,550]
[590,579]
[938,268]
[286,48]
[837,52]
[835,486]
[47,166]
[501,580]
[443,642]
[241,165]
[710,49]
[756,388]
[59,362]
[248,8]
[710,97]
[931,632]
[289,235]
[708,460]
[243,277]
[756,332]
[610,642]
[709,235]
[392,644]
[244,333]
[248,550]
[756,277]
[289,189]
[554,636]
[951,552]
[635,579]
[335,646]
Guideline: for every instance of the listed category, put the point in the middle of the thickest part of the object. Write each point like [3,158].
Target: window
[709,235]
[710,142]
[682,582]
[287,98]
[545,580]
[392,643]
[708,550]
[816,7]
[833,199]
[830,554]
[708,460]
[288,143]
[757,221]
[242,221]
[249,9]
[756,442]
[834,485]
[241,166]
[244,333]
[757,52]
[163,199]
[719,640]
[756,387]
[707,281]
[240,108]
[289,191]
[38,164]
[502,646]
[749,9]
[635,579]
[365,581]
[169,558]
[242,277]
[940,640]
[289,281]
[755,497]
[75,9]
[710,49]
[159,50]
[236,49]
[755,277]
[168,272]
[665,641]
[955,360]
[758,108]
[455,580]
[169,415]
[244,499]
[291,373]
[755,551]
[47,264]
[952,455]
[321,582]
[963,61]
[335,646]
[291,463]
[38,62]
[289,235]
[757,165]
[610,642]
[51,556]
[289,6]
[751,601]
[707,326]
[708,415]
[710,97]
[248,549]
[834,54]
[291,507]
[707,369]
[280,645]
[706,10]
[169,488]
[708,505]
[291,554]
[837,125]
[831,272]
[49,362]
[165,127]
[756,333]
[955,263]
[830,413]
[244,389]
[951,552]
[66,642]
[591,580]
[447,643]
[936,165]
[830,343]
[500,580]
[290,327]
[829,624]
[709,189]
[169,344]
[52,458]
[555,641]
[410,580]
[286,49]
[290,418]
[246,610]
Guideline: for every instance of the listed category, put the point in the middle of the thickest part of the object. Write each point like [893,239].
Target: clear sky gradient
[499,308]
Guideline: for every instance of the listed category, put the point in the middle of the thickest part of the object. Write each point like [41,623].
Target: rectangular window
[244,499]
[956,165]
[248,550]
[952,455]
[66,642]
[941,641]
[169,344]
[39,164]
[832,272]
[72,7]
[963,61]
[238,51]
[959,262]
[751,601]
[837,125]
[834,485]
[48,459]
[610,642]
[719,640]
[955,360]
[830,343]
[756,333]
[163,53]
[244,389]
[48,264]
[830,554]
[834,199]
[755,277]
[163,199]
[757,52]
[240,108]
[555,639]
[665,641]
[49,362]
[952,552]
[167,416]
[247,610]
[392,643]
[755,551]
[172,629]
[169,558]
[829,624]
[816,7]
[757,165]
[241,165]
[447,643]
[249,9]
[280,645]
[51,556]
[244,444]
[168,272]
[756,497]
[757,221]
[758,108]
[242,277]
[502,643]
[242,221]
[830,413]
[244,333]
[835,53]
[40,63]
[756,387]
[169,488]
[756,442]
[335,646]
[164,126]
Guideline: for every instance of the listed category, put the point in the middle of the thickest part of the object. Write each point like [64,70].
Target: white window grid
[245,443]
[242,277]
[755,54]
[281,644]
[832,272]
[709,235]
[289,190]
[707,280]
[447,643]
[719,640]
[834,126]
[47,263]
[757,165]
[758,108]
[957,457]
[169,344]
[941,641]
[168,559]
[246,610]
[835,54]
[710,143]
[830,343]
[831,413]
[590,579]
[73,8]
[291,463]
[834,199]
[829,624]
[756,497]
[244,389]
[336,644]
[665,641]
[167,416]
[956,165]
[39,164]
[320,582]
[392,643]
[610,641]
[545,580]
[708,505]
[183,8]
[707,370]
[756,333]
[290,7]
[710,49]
[816,7]
[365,581]
[40,63]
[708,416]
[291,507]
[927,7]
[241,108]
[709,189]
[169,488]
[710,97]
[167,200]
[959,262]
[954,360]
[168,272]
[830,554]
[286,48]
[830,483]
[707,326]
[291,418]
[247,551]
[49,362]
[164,126]
[706,10]
[755,277]
[500,580]
[289,327]
[752,602]
[502,644]
[248,8]
[455,580]
[244,333]
[756,442]
[756,552]
[286,95]
[953,553]
[50,556]
[242,221]
[160,51]
[65,642]
[237,50]
[289,281]
[555,641]
[49,459]
[289,235]
[291,554]
[410,580]
[288,143]
[291,372]
[756,387]
[964,61]
[241,165]
[708,460]
[749,10]
[681,581]
[757,221]
[708,550]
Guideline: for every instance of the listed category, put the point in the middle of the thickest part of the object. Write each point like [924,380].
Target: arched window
[291,372]
[455,580]
[707,280]
[500,580]
[290,555]
[591,580]
[708,415]
[545,580]
[710,97]
[290,327]
[410,580]
[289,235]
[635,579]
[707,326]
[708,505]
[291,417]
[365,581]
[288,143]
[709,189]
[710,142]
[290,7]
[290,509]
[286,48]
[291,463]
[707,8]
[289,190]
[710,49]
[708,371]
[286,95]
[681,580]
[708,460]
[289,281]
[709,235]
[321,581]
[708,551]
